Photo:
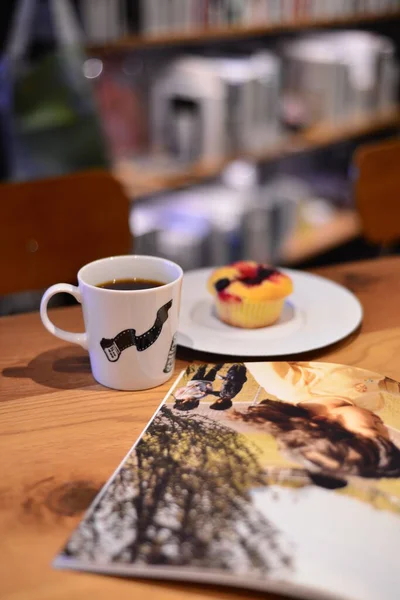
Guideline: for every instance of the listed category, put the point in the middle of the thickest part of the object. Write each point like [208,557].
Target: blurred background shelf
[232,32]
[156,174]
[231,124]
[306,243]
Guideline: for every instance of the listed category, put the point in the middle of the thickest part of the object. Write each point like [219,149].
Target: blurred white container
[187,111]
[204,108]
[315,83]
[183,241]
[219,223]
[265,113]
[144,227]
[222,208]
[166,228]
[372,69]
[336,76]
[271,219]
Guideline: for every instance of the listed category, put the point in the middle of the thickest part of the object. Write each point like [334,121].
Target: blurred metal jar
[204,108]
[336,76]
[270,220]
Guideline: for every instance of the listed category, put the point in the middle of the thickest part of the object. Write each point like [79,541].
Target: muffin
[248,294]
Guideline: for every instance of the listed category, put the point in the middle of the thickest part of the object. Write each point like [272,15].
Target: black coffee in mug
[135,283]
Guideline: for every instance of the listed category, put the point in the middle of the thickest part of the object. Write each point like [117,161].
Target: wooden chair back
[377,191]
[50,228]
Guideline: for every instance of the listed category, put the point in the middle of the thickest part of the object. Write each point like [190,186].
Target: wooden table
[62,436]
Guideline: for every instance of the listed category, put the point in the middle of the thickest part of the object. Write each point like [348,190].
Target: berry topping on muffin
[257,290]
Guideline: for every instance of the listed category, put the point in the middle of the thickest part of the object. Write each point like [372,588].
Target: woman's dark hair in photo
[322,444]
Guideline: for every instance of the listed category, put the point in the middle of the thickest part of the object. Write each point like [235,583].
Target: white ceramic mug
[130,334]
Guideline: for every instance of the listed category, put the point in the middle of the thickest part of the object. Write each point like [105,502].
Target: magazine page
[280,476]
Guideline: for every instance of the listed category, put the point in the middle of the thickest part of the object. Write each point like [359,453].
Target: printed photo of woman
[201,385]
[318,414]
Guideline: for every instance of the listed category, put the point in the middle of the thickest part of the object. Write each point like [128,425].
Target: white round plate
[317,314]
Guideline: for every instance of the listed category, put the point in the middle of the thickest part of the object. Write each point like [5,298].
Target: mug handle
[68,336]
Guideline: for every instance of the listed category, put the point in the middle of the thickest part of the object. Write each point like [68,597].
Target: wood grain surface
[234,32]
[141,179]
[62,435]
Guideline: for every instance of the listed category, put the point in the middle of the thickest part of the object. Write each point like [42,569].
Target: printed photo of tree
[182,498]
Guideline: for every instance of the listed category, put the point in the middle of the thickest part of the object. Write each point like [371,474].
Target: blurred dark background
[231,126]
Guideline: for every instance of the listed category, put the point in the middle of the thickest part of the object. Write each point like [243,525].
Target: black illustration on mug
[125,339]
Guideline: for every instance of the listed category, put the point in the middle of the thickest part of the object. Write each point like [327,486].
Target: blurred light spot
[32,245]
[240,175]
[132,66]
[92,68]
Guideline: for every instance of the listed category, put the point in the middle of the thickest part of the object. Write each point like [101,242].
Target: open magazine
[279,476]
